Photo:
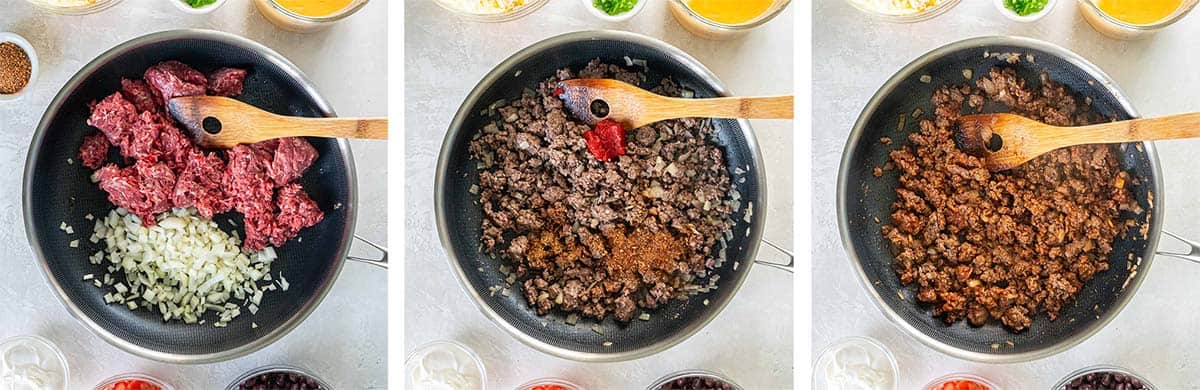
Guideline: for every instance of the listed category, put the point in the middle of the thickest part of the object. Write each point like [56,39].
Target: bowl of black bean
[1103,377]
[279,377]
[694,380]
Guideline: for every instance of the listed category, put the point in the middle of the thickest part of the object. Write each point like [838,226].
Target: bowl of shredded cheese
[74,7]
[491,10]
[904,11]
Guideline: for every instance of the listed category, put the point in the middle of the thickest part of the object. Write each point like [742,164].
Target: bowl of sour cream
[858,363]
[444,365]
[32,363]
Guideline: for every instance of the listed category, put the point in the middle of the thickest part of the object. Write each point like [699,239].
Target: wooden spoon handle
[1149,129]
[358,128]
[762,107]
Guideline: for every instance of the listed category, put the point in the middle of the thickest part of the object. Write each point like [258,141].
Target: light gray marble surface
[852,57]
[445,57]
[345,339]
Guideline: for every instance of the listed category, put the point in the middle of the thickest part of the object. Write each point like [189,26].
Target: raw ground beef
[168,171]
[144,188]
[292,156]
[296,211]
[1006,245]
[199,185]
[246,181]
[140,94]
[114,116]
[226,82]
[172,79]
[562,219]
[144,135]
[94,151]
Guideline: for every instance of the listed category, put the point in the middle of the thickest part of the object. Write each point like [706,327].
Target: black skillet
[57,192]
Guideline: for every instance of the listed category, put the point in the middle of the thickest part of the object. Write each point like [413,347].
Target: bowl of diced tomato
[961,382]
[549,384]
[133,382]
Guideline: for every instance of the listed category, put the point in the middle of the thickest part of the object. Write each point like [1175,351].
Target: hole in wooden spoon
[995,143]
[599,108]
[211,125]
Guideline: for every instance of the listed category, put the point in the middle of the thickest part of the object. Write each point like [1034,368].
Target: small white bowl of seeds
[18,66]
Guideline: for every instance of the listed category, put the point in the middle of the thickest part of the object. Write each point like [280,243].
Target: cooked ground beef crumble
[1006,245]
[577,230]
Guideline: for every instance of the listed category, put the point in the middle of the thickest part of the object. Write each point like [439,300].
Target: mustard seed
[15,68]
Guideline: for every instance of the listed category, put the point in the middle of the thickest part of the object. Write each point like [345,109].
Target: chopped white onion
[184,266]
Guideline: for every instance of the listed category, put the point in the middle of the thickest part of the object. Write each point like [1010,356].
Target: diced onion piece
[183,267]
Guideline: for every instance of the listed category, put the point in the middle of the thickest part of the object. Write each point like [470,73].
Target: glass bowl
[961,377]
[82,9]
[133,376]
[411,360]
[47,346]
[517,13]
[859,341]
[294,22]
[690,373]
[549,381]
[277,368]
[940,8]
[1100,368]
[1118,29]
[708,29]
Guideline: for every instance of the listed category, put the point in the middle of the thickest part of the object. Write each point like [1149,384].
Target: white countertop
[345,340]
[852,57]
[751,341]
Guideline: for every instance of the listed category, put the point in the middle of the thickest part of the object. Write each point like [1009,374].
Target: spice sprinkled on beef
[593,237]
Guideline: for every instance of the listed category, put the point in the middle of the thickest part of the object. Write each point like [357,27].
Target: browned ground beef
[561,218]
[1006,245]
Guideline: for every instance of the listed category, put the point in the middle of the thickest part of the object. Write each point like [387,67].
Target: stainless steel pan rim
[502,70]
[910,70]
[350,206]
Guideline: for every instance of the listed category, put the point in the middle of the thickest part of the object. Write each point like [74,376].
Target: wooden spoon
[592,100]
[220,123]
[1006,141]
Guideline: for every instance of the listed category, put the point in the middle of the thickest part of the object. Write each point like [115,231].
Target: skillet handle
[1193,254]
[381,262]
[781,266]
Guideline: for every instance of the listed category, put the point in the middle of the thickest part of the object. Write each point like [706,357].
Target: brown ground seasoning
[15,68]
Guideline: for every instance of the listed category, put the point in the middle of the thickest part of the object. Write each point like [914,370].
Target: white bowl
[33,64]
[197,11]
[1008,13]
[615,18]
